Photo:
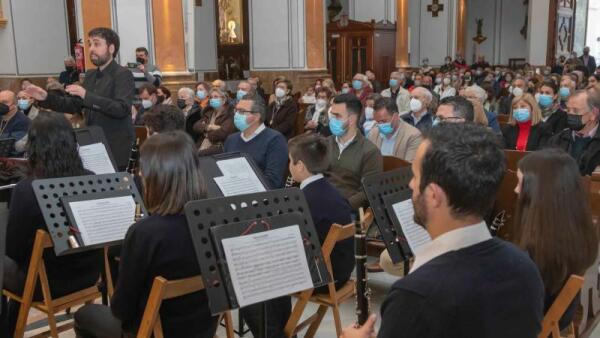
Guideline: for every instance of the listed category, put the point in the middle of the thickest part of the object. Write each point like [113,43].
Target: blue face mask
[239,120]
[345,90]
[393,83]
[201,94]
[337,127]
[240,94]
[23,104]
[545,100]
[215,102]
[357,85]
[564,92]
[385,128]
[521,115]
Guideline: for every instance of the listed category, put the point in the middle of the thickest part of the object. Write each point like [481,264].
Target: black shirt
[68,77]
[107,104]
[161,246]
[490,289]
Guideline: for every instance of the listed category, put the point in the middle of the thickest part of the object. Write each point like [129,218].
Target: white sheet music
[103,220]
[416,235]
[95,158]
[238,177]
[267,265]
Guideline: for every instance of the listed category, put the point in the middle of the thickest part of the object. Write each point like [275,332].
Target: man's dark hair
[353,104]
[387,103]
[461,107]
[311,149]
[111,37]
[142,49]
[465,160]
[550,84]
[324,90]
[164,117]
[287,83]
[258,105]
[165,91]
[147,87]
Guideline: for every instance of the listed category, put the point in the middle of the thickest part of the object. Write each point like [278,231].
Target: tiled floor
[379,284]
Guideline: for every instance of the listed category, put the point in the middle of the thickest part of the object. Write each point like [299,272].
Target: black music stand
[377,187]
[210,170]
[213,219]
[7,147]
[3,225]
[50,194]
[94,134]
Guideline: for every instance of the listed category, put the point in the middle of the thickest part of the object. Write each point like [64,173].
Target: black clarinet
[289,182]
[134,157]
[362,289]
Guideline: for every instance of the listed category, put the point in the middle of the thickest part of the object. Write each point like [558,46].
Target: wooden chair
[590,297]
[391,163]
[558,308]
[513,157]
[163,289]
[49,306]
[332,299]
[505,205]
[502,118]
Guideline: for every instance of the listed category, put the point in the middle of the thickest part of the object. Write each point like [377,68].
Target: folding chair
[558,308]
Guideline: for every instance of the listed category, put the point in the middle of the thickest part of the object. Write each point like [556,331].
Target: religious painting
[231,26]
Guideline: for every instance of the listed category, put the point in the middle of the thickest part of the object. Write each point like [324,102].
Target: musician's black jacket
[107,104]
[487,290]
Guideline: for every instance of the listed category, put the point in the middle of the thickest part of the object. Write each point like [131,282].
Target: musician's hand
[36,92]
[76,90]
[142,67]
[365,331]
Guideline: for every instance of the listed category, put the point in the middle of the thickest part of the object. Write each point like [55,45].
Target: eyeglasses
[244,112]
[449,118]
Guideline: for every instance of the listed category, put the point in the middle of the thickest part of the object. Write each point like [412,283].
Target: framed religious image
[231,25]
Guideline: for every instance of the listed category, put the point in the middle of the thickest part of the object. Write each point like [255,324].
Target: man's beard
[100,60]
[420,216]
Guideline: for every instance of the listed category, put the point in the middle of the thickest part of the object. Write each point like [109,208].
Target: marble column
[402,33]
[461,27]
[95,13]
[315,34]
[169,44]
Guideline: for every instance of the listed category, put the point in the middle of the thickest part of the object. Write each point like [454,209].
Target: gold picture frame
[231,24]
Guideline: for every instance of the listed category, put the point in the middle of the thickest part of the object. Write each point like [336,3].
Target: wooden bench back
[560,305]
[391,163]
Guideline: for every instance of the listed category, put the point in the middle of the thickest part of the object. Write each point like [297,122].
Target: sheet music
[95,158]
[103,220]
[267,265]
[235,167]
[416,235]
[239,185]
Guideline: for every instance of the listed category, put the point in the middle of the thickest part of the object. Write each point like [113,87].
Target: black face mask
[574,122]
[160,99]
[69,68]
[140,60]
[4,109]
[181,103]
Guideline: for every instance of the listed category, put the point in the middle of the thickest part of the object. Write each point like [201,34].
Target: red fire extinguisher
[79,56]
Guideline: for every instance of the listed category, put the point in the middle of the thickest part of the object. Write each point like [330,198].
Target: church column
[169,44]
[315,34]
[94,14]
[461,27]
[402,18]
[537,31]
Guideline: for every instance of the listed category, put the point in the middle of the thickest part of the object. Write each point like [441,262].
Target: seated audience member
[266,146]
[309,97]
[244,88]
[163,118]
[582,138]
[375,84]
[328,83]
[464,278]
[567,87]
[25,103]
[516,89]
[159,245]
[189,107]
[71,74]
[13,123]
[351,155]
[52,150]
[445,89]
[215,125]
[454,109]
[367,119]
[460,63]
[202,98]
[25,83]
[397,92]
[257,86]
[276,80]
[553,117]
[361,87]
[593,81]
[475,92]
[393,136]
[554,222]
[281,113]
[147,93]
[163,95]
[308,160]
[316,119]
[524,131]
[346,88]
[419,116]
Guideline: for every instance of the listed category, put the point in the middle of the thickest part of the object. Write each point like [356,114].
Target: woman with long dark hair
[52,150]
[553,221]
[159,245]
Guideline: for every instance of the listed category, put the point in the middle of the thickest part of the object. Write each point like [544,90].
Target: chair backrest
[163,289]
[513,157]
[502,118]
[505,205]
[299,124]
[560,305]
[336,234]
[391,163]
[594,190]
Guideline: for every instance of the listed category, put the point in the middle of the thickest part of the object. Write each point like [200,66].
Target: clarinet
[362,289]
[289,182]
[134,157]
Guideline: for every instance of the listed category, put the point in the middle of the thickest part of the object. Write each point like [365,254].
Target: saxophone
[363,292]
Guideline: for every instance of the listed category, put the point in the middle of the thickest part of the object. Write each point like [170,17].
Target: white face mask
[321,103]
[146,104]
[517,91]
[446,81]
[280,93]
[415,105]
[369,113]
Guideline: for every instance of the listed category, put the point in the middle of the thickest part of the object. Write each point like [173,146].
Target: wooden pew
[299,127]
[513,157]
[141,134]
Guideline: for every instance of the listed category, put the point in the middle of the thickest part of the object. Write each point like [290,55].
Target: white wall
[537,32]
[431,37]
[132,18]
[378,10]
[205,37]
[8,60]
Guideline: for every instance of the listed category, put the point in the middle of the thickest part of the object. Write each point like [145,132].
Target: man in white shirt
[397,92]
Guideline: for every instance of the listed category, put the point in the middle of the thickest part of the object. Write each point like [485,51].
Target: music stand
[377,187]
[3,225]
[279,208]
[50,194]
[7,147]
[210,170]
[94,134]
